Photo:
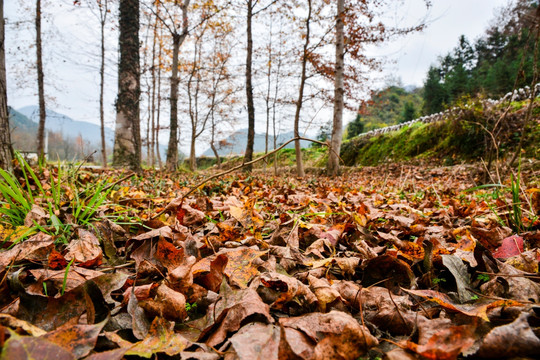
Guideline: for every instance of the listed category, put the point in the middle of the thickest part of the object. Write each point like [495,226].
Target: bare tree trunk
[299,102]
[267,98]
[172,149]
[178,39]
[103,18]
[192,158]
[249,90]
[127,139]
[337,127]
[41,91]
[158,110]
[216,154]
[6,150]
[153,95]
[276,91]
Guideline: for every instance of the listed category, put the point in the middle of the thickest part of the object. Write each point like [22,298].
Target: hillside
[388,106]
[455,138]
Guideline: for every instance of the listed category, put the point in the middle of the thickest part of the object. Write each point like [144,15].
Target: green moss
[463,139]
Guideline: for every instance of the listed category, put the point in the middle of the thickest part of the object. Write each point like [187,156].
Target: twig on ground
[178,204]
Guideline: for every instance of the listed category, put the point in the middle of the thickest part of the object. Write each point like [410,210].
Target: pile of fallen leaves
[400,262]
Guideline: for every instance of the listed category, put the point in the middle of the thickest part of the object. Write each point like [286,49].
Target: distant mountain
[68,127]
[23,131]
[27,118]
[235,144]
[19,121]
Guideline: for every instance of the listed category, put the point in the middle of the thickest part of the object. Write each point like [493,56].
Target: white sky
[448,19]
[75,90]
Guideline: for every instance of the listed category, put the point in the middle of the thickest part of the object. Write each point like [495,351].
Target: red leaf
[511,246]
[56,260]
[180,215]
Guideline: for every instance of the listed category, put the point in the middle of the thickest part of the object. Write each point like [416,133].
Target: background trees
[293,73]
[6,151]
[127,140]
[494,64]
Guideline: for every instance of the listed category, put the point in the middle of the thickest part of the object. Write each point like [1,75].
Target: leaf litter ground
[400,262]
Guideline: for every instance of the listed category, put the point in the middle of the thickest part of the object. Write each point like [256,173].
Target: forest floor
[396,261]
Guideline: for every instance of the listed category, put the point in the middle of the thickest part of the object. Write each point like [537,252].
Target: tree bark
[249,90]
[178,39]
[6,150]
[41,91]
[103,19]
[172,149]
[127,139]
[213,134]
[158,110]
[299,165]
[153,95]
[337,128]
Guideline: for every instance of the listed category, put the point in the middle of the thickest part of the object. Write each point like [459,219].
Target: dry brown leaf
[228,313]
[85,249]
[337,335]
[167,303]
[36,248]
[517,339]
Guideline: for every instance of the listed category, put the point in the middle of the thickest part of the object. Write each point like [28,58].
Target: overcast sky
[75,86]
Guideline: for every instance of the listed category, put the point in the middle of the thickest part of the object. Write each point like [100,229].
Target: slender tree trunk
[267,98]
[192,158]
[212,146]
[127,139]
[172,149]
[299,102]
[158,110]
[249,89]
[6,150]
[276,91]
[337,128]
[103,19]
[178,39]
[41,91]
[153,95]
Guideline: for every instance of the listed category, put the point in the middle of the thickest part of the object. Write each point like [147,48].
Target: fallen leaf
[56,260]
[240,268]
[28,348]
[36,248]
[20,325]
[168,255]
[463,280]
[139,322]
[168,304]
[474,310]
[513,340]
[256,341]
[510,246]
[336,335]
[85,250]
[36,215]
[227,314]
[446,344]
[161,339]
[79,340]
[284,290]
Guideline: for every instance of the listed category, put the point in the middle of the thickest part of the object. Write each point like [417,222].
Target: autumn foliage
[404,261]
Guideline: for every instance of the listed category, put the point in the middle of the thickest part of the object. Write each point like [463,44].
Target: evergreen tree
[355,127]
[435,95]
[408,113]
